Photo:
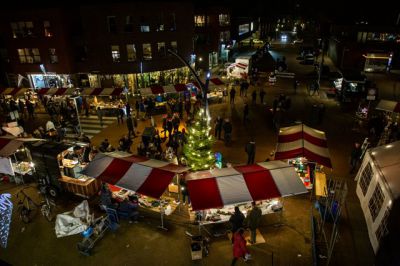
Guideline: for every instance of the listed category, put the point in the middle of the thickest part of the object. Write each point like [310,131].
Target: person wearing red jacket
[239,247]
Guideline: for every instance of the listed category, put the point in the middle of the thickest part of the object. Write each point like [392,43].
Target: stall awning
[158,89]
[303,141]
[56,91]
[214,83]
[145,176]
[101,91]
[13,91]
[9,146]
[388,106]
[220,187]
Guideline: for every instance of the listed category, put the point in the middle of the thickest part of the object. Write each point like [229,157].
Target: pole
[77,115]
[321,64]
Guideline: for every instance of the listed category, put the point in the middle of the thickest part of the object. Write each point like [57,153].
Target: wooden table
[84,188]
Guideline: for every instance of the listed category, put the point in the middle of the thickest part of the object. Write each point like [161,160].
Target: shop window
[365,179]
[161,49]
[131,52]
[200,20]
[224,20]
[144,28]
[47,29]
[172,22]
[376,201]
[115,54]
[382,229]
[29,55]
[22,29]
[112,24]
[128,24]
[53,56]
[174,46]
[147,51]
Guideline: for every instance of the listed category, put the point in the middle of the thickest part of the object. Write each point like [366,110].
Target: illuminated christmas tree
[198,153]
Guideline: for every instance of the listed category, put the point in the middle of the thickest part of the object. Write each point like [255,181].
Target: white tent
[378,185]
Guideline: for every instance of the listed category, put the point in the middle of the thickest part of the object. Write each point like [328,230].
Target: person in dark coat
[251,151]
[170,126]
[236,220]
[227,130]
[253,221]
[131,128]
[128,109]
[120,114]
[218,127]
[355,157]
[262,95]
[254,97]
[232,95]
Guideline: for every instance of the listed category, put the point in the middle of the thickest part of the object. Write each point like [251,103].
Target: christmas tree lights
[198,153]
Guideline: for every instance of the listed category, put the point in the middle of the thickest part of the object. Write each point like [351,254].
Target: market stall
[215,192]
[378,189]
[109,100]
[15,159]
[306,148]
[72,162]
[147,177]
[388,106]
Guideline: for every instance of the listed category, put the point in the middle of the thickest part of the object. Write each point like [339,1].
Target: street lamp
[203,87]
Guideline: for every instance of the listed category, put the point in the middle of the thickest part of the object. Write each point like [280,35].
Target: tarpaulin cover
[303,141]
[146,176]
[388,106]
[219,187]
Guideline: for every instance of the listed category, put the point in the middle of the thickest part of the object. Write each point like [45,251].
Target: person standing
[120,114]
[239,247]
[253,221]
[245,113]
[30,107]
[218,127]
[184,190]
[100,116]
[254,97]
[131,128]
[236,220]
[355,157]
[262,95]
[232,95]
[227,131]
[128,109]
[251,151]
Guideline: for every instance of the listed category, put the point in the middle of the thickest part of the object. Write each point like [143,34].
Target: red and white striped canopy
[101,91]
[158,89]
[13,91]
[303,141]
[145,176]
[56,91]
[220,187]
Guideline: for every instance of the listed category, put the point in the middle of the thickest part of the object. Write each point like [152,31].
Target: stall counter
[84,187]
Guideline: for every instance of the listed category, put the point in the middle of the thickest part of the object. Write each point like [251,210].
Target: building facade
[98,45]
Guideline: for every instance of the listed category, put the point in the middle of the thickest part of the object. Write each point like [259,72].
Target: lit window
[161,49]
[365,179]
[47,28]
[225,36]
[376,201]
[131,51]
[147,51]
[22,29]
[174,46]
[53,56]
[224,20]
[116,56]
[112,24]
[28,55]
[200,20]
[144,28]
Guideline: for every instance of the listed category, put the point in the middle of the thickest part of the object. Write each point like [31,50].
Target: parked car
[309,59]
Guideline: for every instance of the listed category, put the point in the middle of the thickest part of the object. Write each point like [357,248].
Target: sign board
[371,94]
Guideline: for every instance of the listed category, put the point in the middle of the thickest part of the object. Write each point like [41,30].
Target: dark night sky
[383,12]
